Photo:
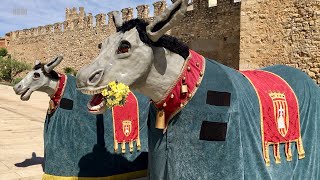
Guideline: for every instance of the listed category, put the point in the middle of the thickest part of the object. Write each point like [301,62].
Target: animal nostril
[19,87]
[95,77]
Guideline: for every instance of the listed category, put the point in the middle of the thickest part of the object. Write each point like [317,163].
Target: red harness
[56,97]
[182,90]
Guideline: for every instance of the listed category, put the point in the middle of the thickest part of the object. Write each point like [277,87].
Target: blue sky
[24,14]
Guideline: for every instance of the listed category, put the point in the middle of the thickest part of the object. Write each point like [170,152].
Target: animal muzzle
[86,79]
[18,88]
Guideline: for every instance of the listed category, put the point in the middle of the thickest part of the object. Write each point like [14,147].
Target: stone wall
[281,32]
[2,43]
[246,35]
[212,31]
[76,39]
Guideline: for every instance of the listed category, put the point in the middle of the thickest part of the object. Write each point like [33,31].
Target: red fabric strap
[191,75]
[56,97]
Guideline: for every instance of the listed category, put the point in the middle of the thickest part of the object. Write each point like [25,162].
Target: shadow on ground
[34,160]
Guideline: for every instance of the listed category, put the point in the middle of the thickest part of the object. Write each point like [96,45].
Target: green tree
[3,52]
[9,68]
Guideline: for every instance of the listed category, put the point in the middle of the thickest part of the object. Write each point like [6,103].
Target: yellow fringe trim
[123,147]
[266,154]
[301,153]
[126,176]
[288,151]
[276,153]
[138,144]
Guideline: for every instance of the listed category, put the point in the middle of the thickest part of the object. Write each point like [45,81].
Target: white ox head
[127,55]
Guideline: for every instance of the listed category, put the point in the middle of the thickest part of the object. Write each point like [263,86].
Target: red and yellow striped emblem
[280,108]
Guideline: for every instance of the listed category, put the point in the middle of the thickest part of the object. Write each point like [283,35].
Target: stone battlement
[76,20]
[244,35]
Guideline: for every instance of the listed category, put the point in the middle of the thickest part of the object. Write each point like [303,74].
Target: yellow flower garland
[115,94]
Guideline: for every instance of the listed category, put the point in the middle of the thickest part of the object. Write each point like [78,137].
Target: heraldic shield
[280,108]
[279,113]
[126,127]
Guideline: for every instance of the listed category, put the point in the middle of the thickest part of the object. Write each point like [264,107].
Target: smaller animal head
[38,79]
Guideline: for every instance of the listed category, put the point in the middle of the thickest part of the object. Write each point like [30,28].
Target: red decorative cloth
[126,124]
[56,97]
[279,112]
[183,89]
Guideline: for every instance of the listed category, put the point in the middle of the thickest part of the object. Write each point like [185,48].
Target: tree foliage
[3,52]
[9,68]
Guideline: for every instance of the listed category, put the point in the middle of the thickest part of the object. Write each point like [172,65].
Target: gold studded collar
[182,90]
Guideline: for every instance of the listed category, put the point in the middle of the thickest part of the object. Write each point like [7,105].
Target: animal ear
[117,19]
[167,20]
[53,63]
[36,62]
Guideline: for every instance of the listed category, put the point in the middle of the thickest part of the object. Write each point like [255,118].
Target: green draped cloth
[180,154]
[80,144]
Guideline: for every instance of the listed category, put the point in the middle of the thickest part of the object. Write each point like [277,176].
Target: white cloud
[18,15]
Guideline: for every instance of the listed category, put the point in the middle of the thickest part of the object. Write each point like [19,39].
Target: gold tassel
[131,146]
[288,151]
[51,106]
[266,155]
[276,153]
[184,88]
[123,147]
[301,153]
[138,144]
[160,120]
[115,146]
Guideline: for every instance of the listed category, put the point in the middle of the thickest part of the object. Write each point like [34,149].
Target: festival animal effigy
[209,121]
[79,144]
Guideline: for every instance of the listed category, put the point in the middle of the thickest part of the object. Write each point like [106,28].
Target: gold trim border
[125,176]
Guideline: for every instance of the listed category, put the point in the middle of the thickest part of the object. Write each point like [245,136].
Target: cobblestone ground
[21,135]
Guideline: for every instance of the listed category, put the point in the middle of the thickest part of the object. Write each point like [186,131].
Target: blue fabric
[179,154]
[78,143]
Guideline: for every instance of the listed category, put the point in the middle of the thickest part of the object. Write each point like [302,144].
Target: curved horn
[53,63]
[167,20]
[117,19]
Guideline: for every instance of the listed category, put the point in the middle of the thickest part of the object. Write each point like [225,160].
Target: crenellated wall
[77,37]
[248,34]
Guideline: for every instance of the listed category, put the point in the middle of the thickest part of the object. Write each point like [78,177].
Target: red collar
[56,97]
[183,89]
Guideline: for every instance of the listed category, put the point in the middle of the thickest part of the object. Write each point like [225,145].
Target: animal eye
[123,47]
[100,45]
[36,75]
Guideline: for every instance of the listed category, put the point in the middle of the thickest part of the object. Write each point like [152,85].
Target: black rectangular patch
[66,104]
[218,98]
[213,131]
